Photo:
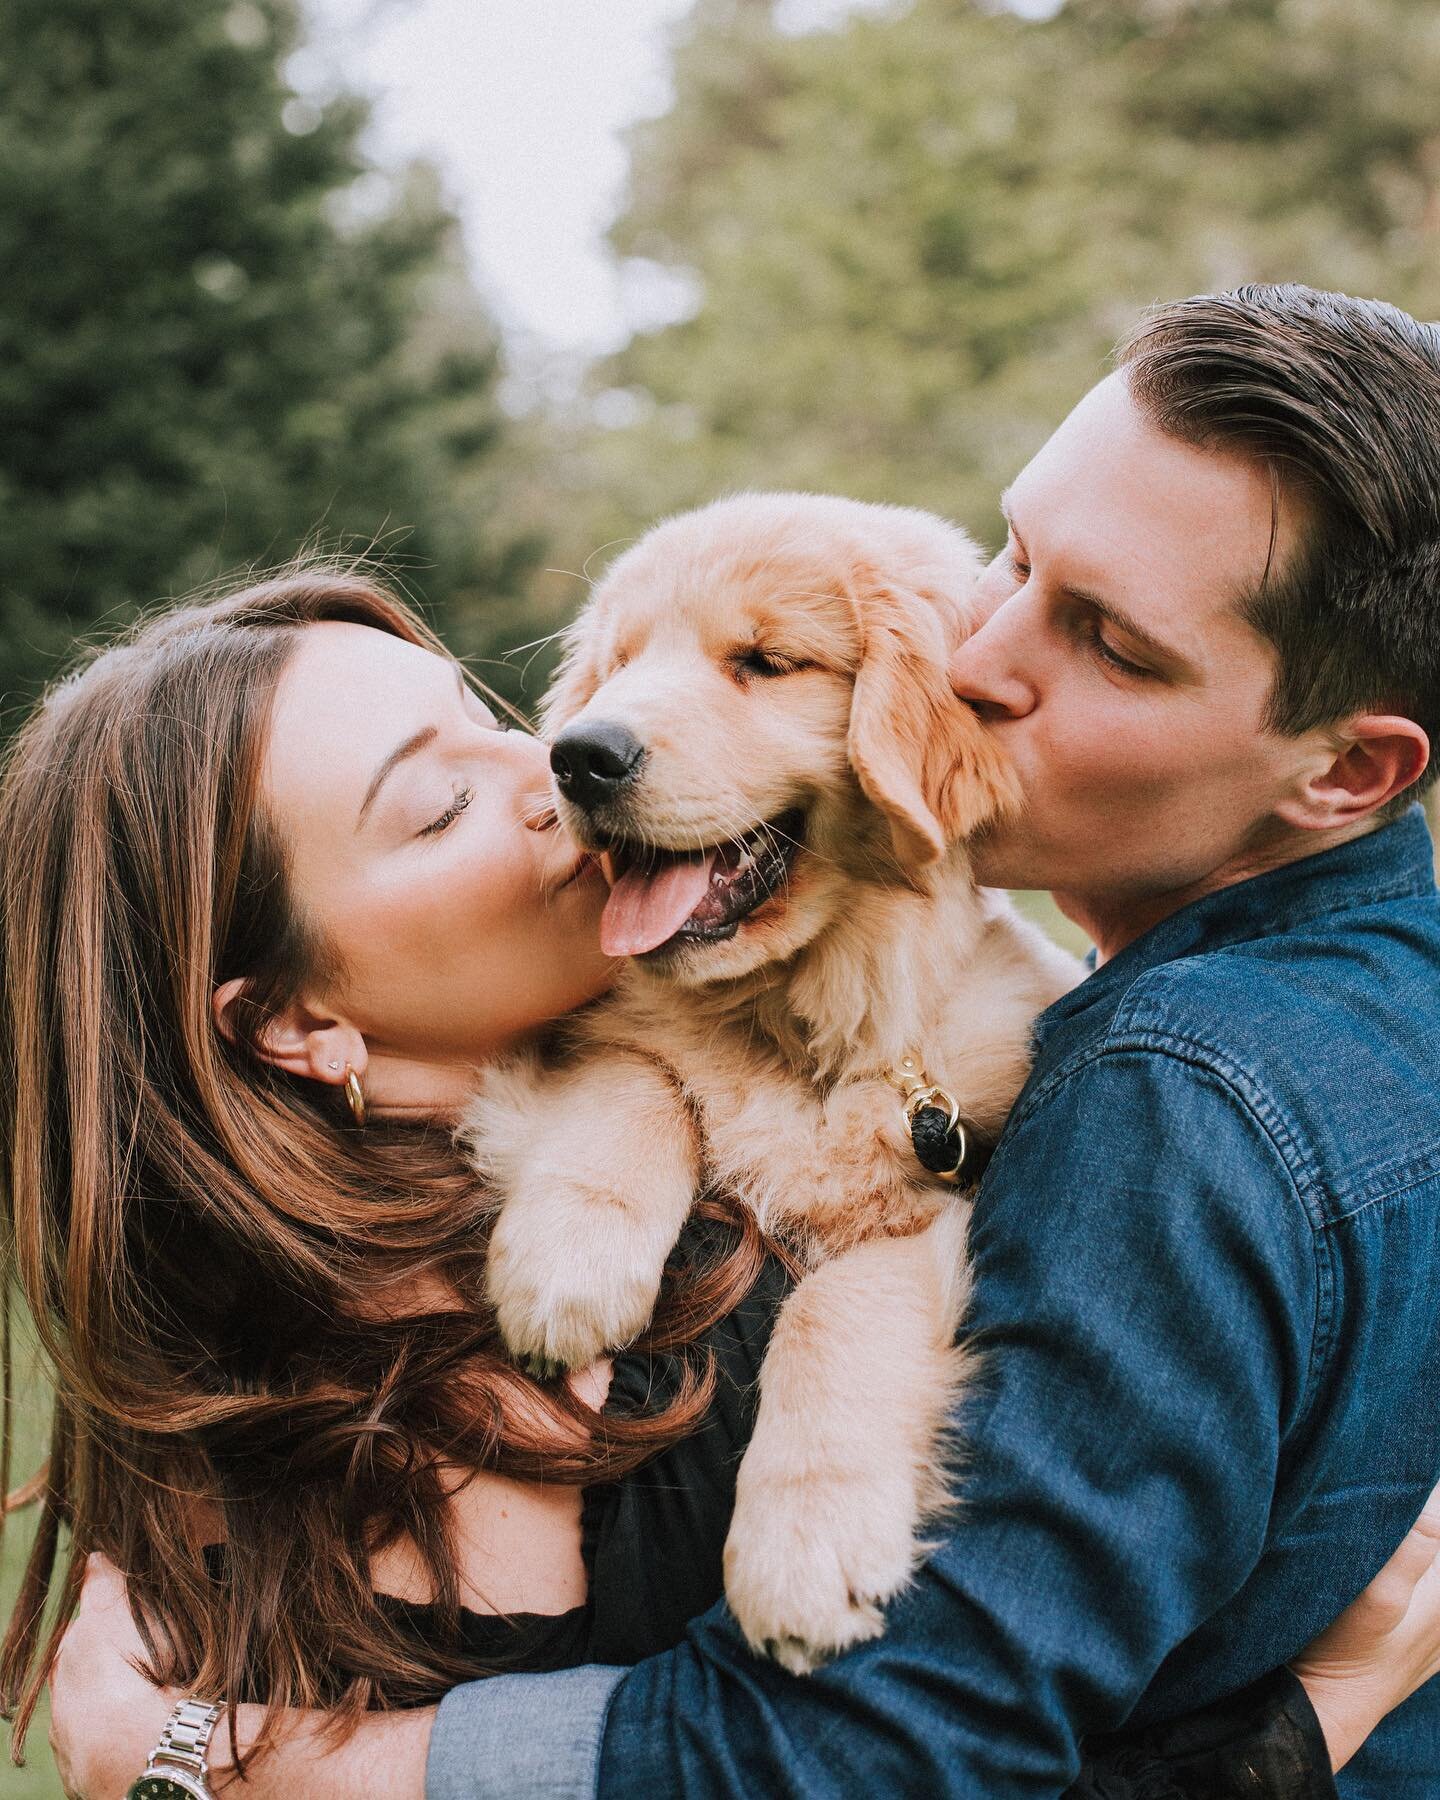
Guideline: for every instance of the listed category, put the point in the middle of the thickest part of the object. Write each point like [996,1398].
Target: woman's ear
[921,755]
[297,1040]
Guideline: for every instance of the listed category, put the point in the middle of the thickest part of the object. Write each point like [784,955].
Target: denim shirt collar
[1395,862]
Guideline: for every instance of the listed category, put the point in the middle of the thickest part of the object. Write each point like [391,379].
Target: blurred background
[480,287]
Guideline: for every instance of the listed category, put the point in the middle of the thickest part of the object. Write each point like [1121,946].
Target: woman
[274,883]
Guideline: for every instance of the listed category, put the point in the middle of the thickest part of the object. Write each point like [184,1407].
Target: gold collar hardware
[932,1117]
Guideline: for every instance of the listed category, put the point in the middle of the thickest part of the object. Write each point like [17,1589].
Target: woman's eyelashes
[476,713]
[459,801]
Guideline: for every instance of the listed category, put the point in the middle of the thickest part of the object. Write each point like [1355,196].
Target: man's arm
[1145,1296]
[1383,1647]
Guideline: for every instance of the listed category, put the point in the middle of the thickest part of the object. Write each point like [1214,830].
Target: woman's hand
[105,1717]
[1382,1647]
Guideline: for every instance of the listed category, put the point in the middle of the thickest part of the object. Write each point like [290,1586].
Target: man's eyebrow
[412,746]
[1112,614]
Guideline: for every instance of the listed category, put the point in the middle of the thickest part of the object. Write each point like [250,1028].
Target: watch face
[162,1787]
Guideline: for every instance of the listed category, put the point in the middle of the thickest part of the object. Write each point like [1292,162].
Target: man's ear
[299,1041]
[1369,760]
[921,755]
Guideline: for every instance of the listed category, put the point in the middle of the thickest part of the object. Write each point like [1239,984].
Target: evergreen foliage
[218,343]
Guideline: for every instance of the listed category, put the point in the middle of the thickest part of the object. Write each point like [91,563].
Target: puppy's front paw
[811,1562]
[567,1288]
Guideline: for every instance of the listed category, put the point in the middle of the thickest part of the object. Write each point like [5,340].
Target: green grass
[1043,911]
[37,1780]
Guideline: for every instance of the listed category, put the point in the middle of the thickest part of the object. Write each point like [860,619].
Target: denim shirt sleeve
[1145,1305]
[520,1737]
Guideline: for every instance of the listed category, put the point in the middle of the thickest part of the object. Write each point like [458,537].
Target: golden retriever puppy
[753,722]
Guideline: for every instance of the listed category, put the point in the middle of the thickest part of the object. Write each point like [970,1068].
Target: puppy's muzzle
[593,764]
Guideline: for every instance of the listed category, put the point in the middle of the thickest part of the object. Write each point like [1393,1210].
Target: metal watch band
[186,1736]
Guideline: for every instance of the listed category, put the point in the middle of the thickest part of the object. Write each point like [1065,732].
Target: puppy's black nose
[591,763]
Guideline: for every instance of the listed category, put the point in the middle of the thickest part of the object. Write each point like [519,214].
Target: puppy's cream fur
[759,1064]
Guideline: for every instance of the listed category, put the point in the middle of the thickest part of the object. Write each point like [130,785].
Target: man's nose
[983,672]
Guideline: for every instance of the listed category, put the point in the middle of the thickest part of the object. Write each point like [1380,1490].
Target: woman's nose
[534,797]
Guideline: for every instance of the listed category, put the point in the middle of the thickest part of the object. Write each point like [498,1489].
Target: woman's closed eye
[460,799]
[476,713]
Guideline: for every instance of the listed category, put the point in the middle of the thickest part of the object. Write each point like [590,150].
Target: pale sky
[521,104]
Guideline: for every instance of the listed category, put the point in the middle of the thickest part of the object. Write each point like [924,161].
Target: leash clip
[932,1117]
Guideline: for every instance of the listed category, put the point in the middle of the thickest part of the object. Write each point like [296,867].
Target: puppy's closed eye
[754,661]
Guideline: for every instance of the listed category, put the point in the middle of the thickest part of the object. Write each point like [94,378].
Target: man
[1208,1246]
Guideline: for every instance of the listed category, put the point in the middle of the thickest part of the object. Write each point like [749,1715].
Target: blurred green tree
[223,335]
[914,238]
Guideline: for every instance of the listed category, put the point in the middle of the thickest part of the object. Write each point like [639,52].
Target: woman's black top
[652,1545]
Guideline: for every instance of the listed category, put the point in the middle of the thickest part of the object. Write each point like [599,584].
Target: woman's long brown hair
[206,1245]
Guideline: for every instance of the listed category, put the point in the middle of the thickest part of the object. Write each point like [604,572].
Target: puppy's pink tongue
[647,906]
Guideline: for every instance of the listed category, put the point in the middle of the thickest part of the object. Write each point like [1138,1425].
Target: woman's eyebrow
[411,747]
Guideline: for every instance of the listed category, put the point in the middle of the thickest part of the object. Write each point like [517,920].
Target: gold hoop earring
[355,1095]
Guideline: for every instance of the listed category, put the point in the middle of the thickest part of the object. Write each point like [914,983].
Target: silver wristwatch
[178,1766]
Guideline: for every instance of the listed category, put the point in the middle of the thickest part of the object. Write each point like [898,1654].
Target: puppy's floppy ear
[576,677]
[920,754]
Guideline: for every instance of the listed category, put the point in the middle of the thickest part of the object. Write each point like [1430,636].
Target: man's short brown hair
[1340,400]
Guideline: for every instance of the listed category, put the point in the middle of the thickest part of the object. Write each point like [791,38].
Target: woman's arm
[1382,1647]
[519,1550]
[106,1717]
[1287,1734]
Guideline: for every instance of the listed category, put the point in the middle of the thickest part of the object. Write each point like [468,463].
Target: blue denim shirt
[1208,1292]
